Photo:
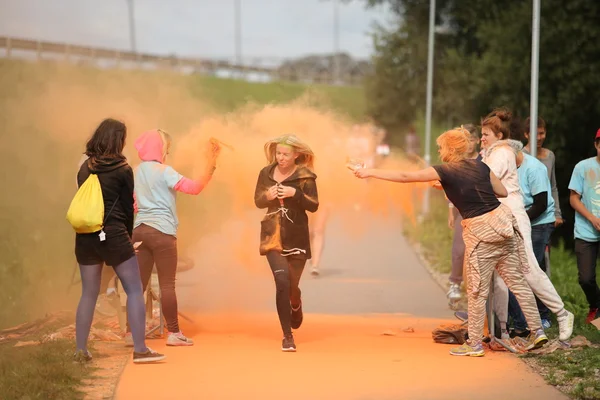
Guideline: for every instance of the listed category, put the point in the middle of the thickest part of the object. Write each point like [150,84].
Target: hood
[304,173]
[98,165]
[515,145]
[150,146]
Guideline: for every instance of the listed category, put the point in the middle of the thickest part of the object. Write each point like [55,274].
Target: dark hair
[541,123]
[108,140]
[472,129]
[499,121]
[516,128]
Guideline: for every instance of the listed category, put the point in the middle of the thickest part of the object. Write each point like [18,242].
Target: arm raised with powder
[195,186]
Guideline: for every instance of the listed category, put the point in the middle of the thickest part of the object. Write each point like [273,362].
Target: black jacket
[116,180]
[285,229]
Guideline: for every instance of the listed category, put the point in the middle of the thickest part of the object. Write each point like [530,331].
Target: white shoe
[178,339]
[565,326]
[314,271]
[454,292]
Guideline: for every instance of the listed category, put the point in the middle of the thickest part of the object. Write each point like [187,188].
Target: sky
[271,29]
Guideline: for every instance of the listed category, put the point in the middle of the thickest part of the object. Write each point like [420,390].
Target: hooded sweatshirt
[156,185]
[284,227]
[501,158]
[116,181]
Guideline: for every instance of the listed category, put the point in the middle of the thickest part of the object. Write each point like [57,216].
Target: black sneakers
[149,356]
[297,316]
[514,333]
[288,344]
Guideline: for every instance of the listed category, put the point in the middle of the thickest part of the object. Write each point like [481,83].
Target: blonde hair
[454,144]
[305,158]
[166,139]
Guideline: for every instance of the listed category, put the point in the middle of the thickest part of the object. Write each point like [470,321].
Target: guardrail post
[93,55]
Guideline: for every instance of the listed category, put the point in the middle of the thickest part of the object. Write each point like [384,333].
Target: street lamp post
[238,32]
[428,106]
[131,27]
[535,58]
[336,42]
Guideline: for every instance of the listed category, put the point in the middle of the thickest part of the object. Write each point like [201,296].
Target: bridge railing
[263,69]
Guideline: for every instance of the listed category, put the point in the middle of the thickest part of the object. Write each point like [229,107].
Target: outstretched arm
[424,175]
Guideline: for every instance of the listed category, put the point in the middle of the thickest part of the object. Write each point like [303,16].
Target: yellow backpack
[86,212]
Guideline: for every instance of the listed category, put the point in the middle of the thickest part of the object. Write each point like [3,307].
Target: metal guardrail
[70,52]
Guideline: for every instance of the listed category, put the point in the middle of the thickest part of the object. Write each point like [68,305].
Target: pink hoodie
[150,148]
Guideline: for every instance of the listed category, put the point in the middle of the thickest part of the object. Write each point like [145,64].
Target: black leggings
[587,255]
[287,272]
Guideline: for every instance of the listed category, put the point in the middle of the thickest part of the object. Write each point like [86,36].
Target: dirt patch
[110,358]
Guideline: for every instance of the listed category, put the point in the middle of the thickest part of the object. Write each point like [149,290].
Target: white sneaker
[314,271]
[178,339]
[565,326]
[454,292]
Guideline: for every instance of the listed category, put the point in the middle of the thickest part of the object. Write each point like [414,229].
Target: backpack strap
[109,211]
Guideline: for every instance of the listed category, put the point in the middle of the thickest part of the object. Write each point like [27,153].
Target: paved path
[372,284]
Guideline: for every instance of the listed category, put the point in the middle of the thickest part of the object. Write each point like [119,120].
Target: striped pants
[536,278]
[504,258]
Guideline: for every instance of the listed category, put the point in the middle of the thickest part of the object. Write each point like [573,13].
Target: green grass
[433,234]
[226,95]
[44,371]
[579,371]
[583,366]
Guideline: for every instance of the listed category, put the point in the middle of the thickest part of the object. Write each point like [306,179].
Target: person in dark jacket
[287,188]
[112,245]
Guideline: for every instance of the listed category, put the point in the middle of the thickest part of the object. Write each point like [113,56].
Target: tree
[484,61]
[396,89]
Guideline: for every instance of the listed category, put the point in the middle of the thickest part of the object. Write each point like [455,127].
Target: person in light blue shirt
[585,200]
[539,204]
[537,192]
